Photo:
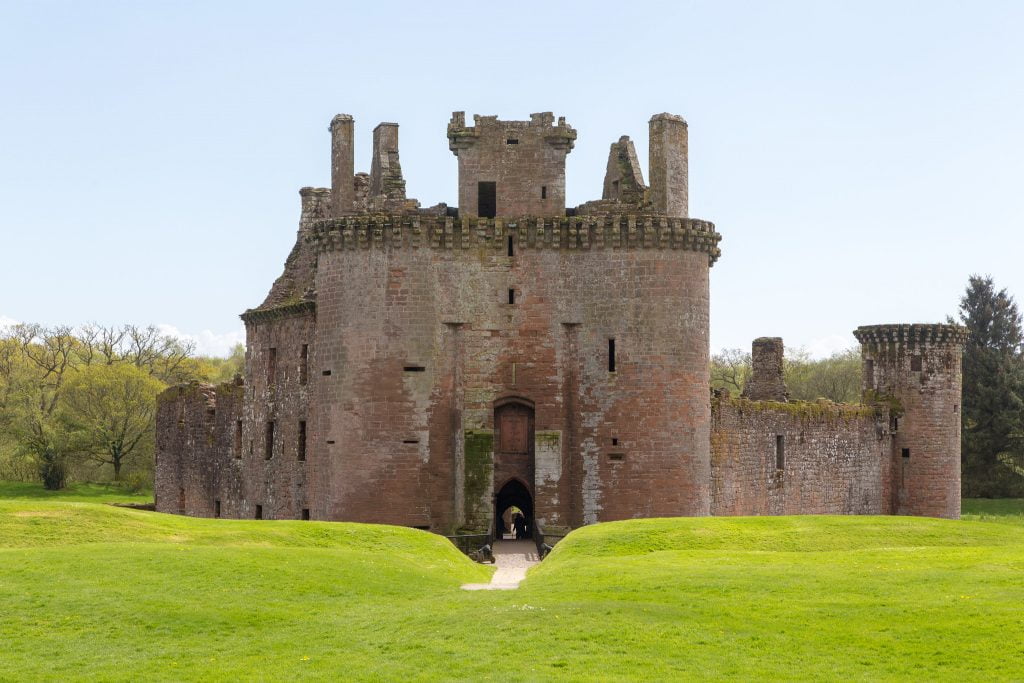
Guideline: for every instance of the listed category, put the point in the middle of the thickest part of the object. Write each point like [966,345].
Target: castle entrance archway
[513,461]
[513,510]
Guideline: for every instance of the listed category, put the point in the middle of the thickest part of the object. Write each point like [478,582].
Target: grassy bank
[92,591]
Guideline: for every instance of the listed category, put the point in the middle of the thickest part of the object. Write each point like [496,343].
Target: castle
[432,367]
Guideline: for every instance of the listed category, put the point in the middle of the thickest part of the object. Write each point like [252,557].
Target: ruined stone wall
[835,458]
[196,464]
[917,370]
[419,332]
[526,159]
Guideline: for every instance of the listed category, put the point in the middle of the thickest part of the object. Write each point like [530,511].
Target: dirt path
[512,558]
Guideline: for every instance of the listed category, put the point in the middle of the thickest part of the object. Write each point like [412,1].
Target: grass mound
[89,591]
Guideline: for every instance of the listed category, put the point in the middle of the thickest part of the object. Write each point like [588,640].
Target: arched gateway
[514,461]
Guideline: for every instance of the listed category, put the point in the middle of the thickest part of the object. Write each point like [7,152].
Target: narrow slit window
[259,512]
[511,247]
[304,364]
[216,508]
[326,373]
[615,441]
[268,447]
[611,355]
[414,368]
[410,440]
[780,452]
[238,438]
[511,141]
[915,363]
[305,514]
[302,439]
[543,191]
[511,296]
[271,365]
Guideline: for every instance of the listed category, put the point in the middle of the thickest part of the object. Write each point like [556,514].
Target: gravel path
[512,558]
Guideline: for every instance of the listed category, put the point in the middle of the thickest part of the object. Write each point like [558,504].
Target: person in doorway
[519,525]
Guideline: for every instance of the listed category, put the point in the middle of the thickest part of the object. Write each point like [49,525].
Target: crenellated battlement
[911,334]
[569,233]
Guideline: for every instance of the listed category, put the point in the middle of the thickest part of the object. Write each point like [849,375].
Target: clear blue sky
[861,159]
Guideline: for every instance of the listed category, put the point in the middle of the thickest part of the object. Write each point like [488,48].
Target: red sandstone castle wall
[389,307]
[835,458]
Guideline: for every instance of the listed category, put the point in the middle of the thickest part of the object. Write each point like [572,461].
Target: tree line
[992,448]
[80,403]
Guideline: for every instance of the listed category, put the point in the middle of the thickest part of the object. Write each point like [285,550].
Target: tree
[993,388]
[836,378]
[730,369]
[109,413]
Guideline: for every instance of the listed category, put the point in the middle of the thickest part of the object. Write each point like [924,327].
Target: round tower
[917,369]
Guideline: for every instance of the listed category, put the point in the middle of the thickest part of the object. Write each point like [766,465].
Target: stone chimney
[765,382]
[668,162]
[342,165]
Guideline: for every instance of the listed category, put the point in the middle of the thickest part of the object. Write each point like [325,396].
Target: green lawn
[90,591]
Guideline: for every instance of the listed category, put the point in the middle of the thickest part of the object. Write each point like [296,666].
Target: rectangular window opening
[543,191]
[611,355]
[326,373]
[410,441]
[268,446]
[956,407]
[216,508]
[780,452]
[330,441]
[511,248]
[511,141]
[511,296]
[271,365]
[259,512]
[414,368]
[616,457]
[915,363]
[905,453]
[302,439]
[238,438]
[487,199]
[615,442]
[305,514]
[304,364]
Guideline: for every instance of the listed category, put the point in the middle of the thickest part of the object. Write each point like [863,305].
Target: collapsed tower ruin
[432,367]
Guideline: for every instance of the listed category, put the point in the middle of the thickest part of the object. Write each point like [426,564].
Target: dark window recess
[329,441]
[511,296]
[326,373]
[895,424]
[304,364]
[302,439]
[487,199]
[511,248]
[511,141]
[238,438]
[305,513]
[414,368]
[617,457]
[915,363]
[250,446]
[780,452]
[410,441]
[216,508]
[268,446]
[271,365]
[543,191]
[259,512]
[956,407]
[615,442]
[906,453]
[869,372]
[611,355]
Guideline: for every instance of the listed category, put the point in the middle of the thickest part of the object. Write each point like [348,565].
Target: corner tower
[917,369]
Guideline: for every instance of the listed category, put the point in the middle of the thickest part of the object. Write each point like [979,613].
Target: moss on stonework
[807,410]
[548,438]
[479,446]
[893,403]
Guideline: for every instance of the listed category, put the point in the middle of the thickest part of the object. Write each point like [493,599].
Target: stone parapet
[569,233]
[911,334]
